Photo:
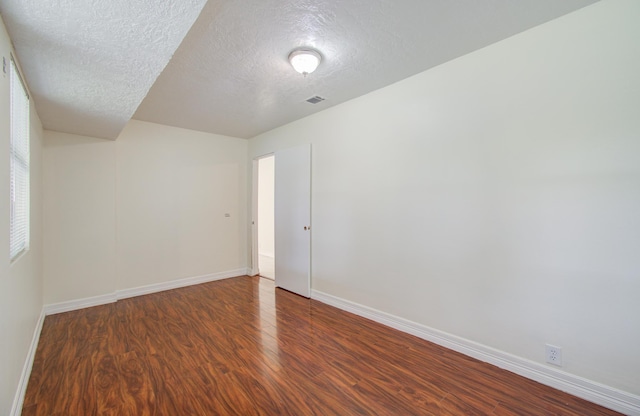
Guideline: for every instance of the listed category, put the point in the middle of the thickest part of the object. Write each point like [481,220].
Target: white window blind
[19,153]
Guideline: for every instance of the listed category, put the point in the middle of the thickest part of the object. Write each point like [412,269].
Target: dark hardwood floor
[240,347]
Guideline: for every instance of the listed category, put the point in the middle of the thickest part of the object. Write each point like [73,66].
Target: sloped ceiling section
[231,75]
[89,63]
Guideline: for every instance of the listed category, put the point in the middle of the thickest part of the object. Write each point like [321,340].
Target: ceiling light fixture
[304,60]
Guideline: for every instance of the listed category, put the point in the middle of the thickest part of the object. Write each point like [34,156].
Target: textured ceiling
[91,63]
[231,75]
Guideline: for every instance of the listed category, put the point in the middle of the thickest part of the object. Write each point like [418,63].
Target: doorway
[266,217]
[281,219]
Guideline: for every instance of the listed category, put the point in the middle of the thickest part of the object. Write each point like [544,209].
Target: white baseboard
[594,392]
[18,400]
[73,305]
[175,284]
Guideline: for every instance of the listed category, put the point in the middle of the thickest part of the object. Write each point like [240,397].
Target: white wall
[145,209]
[266,206]
[174,187]
[79,217]
[20,281]
[495,197]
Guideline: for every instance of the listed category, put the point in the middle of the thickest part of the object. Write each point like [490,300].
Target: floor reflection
[268,322]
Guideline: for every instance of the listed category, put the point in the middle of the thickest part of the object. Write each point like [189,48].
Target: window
[19,154]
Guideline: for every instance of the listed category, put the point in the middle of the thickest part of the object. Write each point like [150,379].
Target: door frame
[254,213]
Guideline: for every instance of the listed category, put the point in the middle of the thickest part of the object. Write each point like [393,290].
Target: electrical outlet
[554,355]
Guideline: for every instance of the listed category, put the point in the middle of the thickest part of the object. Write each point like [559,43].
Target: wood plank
[240,346]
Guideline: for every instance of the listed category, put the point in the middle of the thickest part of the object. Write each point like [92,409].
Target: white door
[292,219]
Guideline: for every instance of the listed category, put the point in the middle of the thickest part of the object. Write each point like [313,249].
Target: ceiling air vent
[315,100]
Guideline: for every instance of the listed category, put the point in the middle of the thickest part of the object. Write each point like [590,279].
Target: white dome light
[305,61]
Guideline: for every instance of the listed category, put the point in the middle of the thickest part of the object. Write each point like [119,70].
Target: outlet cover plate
[553,355]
